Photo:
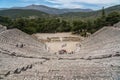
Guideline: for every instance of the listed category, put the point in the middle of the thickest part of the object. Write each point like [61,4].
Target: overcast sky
[93,4]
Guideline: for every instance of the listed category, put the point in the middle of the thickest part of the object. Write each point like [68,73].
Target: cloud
[29,0]
[94,4]
[83,3]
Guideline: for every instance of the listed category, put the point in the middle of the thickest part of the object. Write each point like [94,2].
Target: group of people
[20,45]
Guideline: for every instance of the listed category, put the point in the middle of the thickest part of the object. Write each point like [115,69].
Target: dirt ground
[56,46]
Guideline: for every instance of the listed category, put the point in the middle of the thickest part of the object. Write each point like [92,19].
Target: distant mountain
[90,14]
[13,13]
[3,8]
[18,12]
[113,8]
[51,10]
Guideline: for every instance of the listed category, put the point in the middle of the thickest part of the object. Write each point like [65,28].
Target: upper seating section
[104,41]
[2,28]
[117,25]
[14,40]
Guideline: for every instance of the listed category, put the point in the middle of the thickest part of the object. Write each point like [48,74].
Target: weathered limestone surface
[2,28]
[104,42]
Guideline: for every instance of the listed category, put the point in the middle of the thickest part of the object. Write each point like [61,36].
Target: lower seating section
[10,65]
[68,70]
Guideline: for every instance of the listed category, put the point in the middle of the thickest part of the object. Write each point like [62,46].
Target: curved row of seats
[104,41]
[66,70]
[2,28]
[11,39]
[10,65]
[18,70]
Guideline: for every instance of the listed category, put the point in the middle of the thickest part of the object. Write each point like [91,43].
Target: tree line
[53,25]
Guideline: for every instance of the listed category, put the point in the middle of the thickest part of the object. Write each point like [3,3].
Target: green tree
[103,13]
[113,18]
[6,21]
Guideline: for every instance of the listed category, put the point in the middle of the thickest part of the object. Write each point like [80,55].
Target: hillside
[51,10]
[13,13]
[90,14]
[28,11]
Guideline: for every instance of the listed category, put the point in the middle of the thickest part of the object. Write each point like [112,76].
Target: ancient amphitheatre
[25,57]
